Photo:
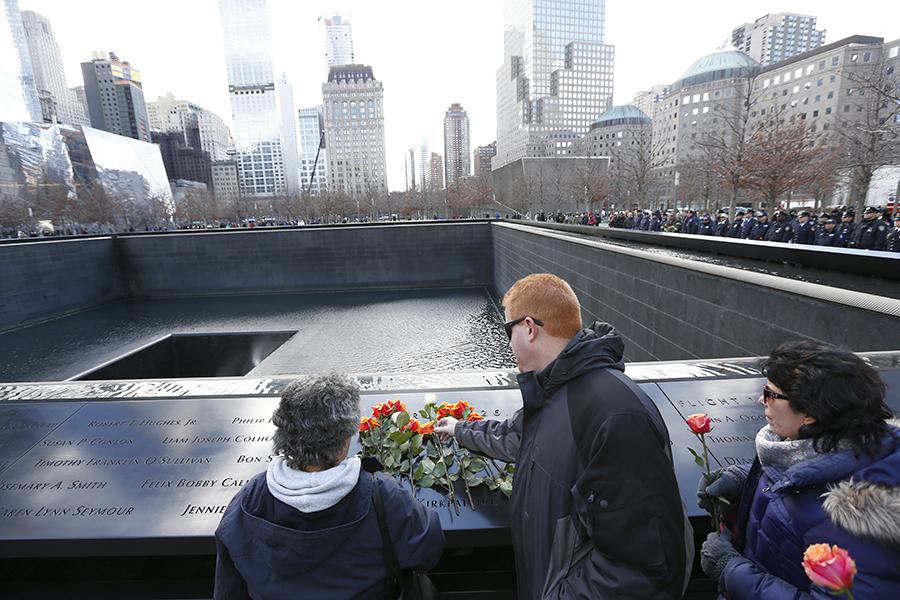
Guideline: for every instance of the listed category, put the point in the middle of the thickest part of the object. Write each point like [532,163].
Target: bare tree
[781,156]
[724,145]
[634,164]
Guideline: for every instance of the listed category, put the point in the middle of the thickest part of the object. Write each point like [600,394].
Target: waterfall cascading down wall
[666,312]
[672,311]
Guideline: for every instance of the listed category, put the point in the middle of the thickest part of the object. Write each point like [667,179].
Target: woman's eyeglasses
[508,326]
[769,394]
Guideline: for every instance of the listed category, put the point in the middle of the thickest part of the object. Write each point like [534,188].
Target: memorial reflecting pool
[354,331]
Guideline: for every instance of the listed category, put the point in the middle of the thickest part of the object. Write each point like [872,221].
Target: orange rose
[388,408]
[425,428]
[460,408]
[453,410]
[829,567]
[368,423]
[699,423]
[475,416]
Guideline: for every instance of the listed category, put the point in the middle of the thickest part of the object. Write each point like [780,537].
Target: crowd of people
[837,228]
[595,510]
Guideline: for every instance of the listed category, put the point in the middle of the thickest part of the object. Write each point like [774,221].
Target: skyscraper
[58,102]
[436,172]
[424,157]
[338,40]
[649,100]
[556,77]
[409,164]
[288,134]
[456,144]
[774,38]
[354,131]
[259,148]
[313,173]
[483,156]
[18,94]
[115,96]
[201,129]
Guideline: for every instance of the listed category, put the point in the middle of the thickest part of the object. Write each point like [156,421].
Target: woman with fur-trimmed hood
[827,471]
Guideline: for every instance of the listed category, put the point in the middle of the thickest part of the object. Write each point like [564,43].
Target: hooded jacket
[268,549]
[833,498]
[595,509]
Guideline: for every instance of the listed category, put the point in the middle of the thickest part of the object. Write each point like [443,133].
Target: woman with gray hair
[307,527]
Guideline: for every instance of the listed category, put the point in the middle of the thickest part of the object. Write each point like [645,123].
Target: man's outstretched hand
[446,428]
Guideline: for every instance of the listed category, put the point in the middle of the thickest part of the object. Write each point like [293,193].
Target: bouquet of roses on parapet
[409,449]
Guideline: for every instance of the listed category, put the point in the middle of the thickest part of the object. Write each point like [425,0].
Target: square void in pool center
[355,332]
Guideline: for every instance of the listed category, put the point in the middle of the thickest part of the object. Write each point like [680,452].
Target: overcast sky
[428,53]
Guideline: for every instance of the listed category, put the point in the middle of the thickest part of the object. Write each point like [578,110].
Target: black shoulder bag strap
[387,546]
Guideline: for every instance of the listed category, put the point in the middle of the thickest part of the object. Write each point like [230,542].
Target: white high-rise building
[18,94]
[259,148]
[424,163]
[202,129]
[288,134]
[774,38]
[338,40]
[409,168]
[58,103]
[313,155]
[354,131]
[648,100]
[556,77]
[457,160]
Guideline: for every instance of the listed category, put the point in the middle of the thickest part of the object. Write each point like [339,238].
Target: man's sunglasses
[508,326]
[769,394]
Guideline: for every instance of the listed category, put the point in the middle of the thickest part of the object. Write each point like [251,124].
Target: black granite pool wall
[312,259]
[670,313]
[47,279]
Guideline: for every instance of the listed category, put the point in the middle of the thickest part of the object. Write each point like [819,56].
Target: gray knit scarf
[780,453]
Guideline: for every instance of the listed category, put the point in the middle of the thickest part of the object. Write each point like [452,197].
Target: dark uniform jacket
[780,231]
[691,225]
[706,228]
[893,240]
[824,238]
[595,510]
[803,233]
[760,230]
[870,235]
[722,228]
[747,227]
[847,230]
[736,228]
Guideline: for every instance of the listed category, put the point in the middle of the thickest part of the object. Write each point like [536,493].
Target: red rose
[699,423]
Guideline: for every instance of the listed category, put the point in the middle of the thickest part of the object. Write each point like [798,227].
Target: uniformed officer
[748,224]
[781,230]
[803,230]
[761,229]
[738,226]
[828,235]
[871,234]
[893,236]
[691,223]
[723,226]
[706,226]
[847,227]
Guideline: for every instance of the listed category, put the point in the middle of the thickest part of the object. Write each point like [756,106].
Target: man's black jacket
[595,510]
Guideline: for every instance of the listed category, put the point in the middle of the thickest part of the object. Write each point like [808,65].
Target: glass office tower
[556,77]
[254,98]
